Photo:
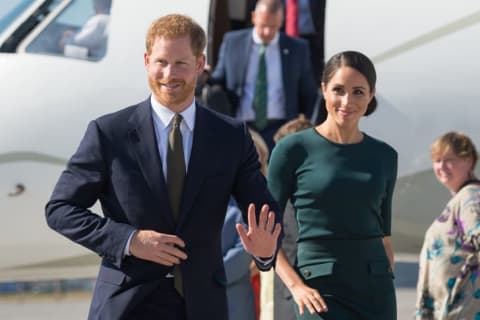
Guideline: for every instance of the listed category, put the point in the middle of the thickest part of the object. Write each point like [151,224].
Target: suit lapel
[199,158]
[144,144]
[285,61]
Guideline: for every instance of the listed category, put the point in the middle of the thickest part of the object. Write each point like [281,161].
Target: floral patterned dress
[448,283]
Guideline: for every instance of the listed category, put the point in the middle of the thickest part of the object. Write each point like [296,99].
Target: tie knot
[262,49]
[177,118]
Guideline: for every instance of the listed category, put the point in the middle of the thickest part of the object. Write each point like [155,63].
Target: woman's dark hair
[357,61]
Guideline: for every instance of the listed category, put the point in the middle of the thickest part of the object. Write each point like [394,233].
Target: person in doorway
[265,95]
[94,33]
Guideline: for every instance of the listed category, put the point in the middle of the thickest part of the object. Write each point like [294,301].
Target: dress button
[307,273]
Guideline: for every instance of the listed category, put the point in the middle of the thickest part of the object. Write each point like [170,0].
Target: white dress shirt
[162,122]
[276,98]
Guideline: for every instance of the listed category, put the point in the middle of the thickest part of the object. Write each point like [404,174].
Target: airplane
[426,55]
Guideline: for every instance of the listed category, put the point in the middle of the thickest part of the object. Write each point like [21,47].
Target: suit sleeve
[251,187]
[219,73]
[80,185]
[307,87]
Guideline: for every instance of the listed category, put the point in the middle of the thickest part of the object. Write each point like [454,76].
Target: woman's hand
[307,297]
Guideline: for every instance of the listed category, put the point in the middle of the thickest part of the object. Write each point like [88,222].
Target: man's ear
[146,58]
[201,64]
[252,17]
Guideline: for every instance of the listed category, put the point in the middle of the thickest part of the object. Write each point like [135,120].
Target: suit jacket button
[307,273]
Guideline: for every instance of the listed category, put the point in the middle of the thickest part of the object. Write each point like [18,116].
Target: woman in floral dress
[449,284]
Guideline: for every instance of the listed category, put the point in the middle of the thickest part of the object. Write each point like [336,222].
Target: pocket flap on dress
[317,270]
[379,267]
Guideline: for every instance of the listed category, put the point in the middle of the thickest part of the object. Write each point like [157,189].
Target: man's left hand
[260,240]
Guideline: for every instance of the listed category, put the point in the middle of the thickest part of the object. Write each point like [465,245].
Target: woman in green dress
[340,182]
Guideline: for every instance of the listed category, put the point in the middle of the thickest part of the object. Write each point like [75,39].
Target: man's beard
[174,98]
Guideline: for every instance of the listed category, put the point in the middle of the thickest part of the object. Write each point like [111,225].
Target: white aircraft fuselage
[426,55]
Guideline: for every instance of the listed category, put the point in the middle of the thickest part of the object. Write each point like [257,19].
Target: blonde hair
[292,126]
[459,143]
[262,150]
[174,26]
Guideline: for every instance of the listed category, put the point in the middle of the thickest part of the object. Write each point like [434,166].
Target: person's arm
[259,208]
[387,244]
[218,74]
[386,208]
[93,32]
[469,214]
[80,185]
[308,89]
[304,296]
[281,181]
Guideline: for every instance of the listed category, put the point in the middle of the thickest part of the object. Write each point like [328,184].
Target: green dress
[342,195]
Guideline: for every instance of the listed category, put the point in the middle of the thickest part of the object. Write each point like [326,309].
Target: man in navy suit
[291,85]
[148,240]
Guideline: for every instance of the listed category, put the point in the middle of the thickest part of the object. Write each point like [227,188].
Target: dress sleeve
[391,175]
[281,172]
[468,221]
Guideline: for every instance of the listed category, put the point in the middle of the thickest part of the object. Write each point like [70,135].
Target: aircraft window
[10,10]
[80,31]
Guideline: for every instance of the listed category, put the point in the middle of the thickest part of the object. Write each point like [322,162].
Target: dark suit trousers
[163,303]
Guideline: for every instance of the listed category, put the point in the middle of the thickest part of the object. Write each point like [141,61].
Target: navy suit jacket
[299,86]
[118,163]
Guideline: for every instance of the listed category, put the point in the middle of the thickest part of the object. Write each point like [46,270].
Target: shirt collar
[165,115]
[257,40]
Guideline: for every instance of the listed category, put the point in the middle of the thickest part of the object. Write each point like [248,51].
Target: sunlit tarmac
[76,307]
